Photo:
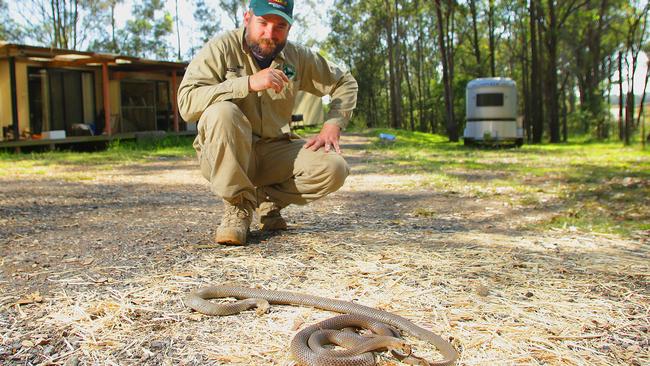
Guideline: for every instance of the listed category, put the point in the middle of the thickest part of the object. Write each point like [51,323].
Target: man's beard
[264,49]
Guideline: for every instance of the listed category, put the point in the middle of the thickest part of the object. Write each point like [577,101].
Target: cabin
[48,95]
[54,96]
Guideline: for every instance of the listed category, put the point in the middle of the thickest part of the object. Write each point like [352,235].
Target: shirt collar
[241,32]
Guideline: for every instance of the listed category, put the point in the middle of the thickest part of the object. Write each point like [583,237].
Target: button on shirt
[221,70]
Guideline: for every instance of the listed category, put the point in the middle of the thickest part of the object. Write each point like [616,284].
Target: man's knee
[221,119]
[336,171]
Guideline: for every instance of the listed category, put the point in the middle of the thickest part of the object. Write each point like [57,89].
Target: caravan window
[489,100]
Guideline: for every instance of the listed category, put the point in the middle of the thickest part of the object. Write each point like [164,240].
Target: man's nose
[269,30]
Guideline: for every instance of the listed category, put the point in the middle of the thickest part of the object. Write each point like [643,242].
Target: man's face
[266,35]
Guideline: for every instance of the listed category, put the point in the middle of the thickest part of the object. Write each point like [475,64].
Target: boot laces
[235,215]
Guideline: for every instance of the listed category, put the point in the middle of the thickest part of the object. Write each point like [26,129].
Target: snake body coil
[197,300]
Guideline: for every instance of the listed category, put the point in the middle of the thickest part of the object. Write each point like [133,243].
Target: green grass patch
[595,186]
[118,153]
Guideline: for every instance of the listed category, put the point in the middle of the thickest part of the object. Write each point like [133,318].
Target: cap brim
[261,12]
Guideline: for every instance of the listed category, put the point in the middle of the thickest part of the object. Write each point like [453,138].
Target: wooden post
[14,97]
[174,100]
[107,103]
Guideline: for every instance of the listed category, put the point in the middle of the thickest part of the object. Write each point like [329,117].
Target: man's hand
[329,137]
[267,79]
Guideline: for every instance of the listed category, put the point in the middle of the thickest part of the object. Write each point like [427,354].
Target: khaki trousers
[240,165]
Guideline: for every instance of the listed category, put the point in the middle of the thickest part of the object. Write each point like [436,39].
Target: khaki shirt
[221,70]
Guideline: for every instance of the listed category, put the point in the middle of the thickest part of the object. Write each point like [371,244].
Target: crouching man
[241,88]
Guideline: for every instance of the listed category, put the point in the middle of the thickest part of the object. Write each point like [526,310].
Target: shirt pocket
[234,72]
[232,75]
[288,93]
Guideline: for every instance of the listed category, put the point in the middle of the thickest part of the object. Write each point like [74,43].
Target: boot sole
[229,239]
[273,224]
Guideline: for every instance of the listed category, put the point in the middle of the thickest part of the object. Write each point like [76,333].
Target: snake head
[400,349]
[262,307]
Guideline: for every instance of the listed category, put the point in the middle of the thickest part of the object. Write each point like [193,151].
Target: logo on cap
[278,3]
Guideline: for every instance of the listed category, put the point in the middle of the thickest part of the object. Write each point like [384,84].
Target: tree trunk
[407,77]
[551,74]
[74,27]
[492,42]
[178,32]
[621,106]
[645,84]
[629,116]
[55,25]
[113,39]
[535,77]
[525,77]
[427,70]
[398,67]
[565,130]
[419,70]
[475,40]
[452,128]
[395,120]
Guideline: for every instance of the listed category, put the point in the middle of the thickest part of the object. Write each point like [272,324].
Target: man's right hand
[267,79]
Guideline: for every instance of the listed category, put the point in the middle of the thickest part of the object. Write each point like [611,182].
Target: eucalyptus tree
[355,39]
[445,14]
[53,23]
[145,34]
[234,9]
[9,29]
[102,13]
[205,16]
[592,37]
[636,38]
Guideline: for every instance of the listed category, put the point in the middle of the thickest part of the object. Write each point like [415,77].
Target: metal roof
[482,82]
[56,57]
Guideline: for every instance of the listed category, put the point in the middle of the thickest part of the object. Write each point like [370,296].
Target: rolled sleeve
[339,118]
[322,77]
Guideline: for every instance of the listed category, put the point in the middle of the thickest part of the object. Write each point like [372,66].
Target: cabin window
[138,106]
[60,98]
[489,100]
[145,106]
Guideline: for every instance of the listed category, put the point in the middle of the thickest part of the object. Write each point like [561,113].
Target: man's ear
[247,16]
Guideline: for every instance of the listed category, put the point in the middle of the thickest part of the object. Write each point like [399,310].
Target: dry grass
[465,270]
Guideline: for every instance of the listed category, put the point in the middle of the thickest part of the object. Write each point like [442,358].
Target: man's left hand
[329,137]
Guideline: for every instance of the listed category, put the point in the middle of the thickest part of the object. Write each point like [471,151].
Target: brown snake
[359,316]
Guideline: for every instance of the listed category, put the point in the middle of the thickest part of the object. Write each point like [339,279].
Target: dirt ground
[96,262]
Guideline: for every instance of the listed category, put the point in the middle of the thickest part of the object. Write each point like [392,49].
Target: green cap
[283,8]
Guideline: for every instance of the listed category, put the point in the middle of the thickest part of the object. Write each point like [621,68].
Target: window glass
[489,100]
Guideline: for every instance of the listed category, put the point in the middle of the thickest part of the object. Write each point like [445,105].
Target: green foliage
[585,37]
[361,48]
[204,14]
[144,35]
[102,13]
[9,30]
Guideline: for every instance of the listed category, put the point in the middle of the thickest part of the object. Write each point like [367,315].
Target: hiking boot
[235,223]
[270,217]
